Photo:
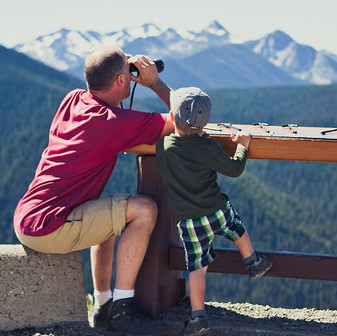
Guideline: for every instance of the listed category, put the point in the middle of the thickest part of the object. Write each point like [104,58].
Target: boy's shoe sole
[260,267]
[197,328]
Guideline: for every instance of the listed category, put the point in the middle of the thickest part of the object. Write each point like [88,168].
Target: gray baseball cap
[191,108]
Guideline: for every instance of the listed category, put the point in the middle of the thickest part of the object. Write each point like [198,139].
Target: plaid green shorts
[197,235]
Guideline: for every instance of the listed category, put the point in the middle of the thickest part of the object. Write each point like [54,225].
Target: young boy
[189,164]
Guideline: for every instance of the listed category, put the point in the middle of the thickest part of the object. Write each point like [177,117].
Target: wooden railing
[280,143]
[159,285]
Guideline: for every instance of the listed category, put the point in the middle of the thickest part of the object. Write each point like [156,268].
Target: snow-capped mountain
[66,49]
[298,60]
[63,49]
[219,60]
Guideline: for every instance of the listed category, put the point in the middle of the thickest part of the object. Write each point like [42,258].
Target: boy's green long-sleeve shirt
[189,167]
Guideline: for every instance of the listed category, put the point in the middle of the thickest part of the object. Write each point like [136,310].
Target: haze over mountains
[211,58]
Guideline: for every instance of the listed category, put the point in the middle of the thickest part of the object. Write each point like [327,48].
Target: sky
[311,22]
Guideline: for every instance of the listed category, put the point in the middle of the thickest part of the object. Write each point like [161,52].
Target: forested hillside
[285,205]
[29,95]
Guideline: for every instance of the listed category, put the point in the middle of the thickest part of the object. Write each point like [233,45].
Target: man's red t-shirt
[85,138]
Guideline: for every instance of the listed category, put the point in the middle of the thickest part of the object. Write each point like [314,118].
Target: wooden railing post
[157,288]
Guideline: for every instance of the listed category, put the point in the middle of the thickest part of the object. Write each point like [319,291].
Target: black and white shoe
[197,327]
[123,319]
[100,315]
[259,267]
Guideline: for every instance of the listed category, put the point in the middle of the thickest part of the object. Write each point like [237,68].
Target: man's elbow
[168,127]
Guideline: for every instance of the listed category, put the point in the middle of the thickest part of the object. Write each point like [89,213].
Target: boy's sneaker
[259,267]
[100,315]
[198,326]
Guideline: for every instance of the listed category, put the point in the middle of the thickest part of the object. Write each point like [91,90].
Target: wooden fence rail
[308,144]
[286,264]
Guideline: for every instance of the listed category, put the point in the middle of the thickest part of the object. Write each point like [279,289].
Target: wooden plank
[290,149]
[280,143]
[286,264]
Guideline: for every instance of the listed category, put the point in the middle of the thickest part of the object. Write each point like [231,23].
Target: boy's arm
[237,162]
[232,166]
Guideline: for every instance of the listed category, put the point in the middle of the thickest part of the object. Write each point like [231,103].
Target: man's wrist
[162,90]
[156,84]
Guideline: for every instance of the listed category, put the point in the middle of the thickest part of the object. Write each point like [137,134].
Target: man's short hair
[102,66]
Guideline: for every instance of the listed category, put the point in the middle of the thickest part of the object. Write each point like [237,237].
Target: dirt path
[225,318]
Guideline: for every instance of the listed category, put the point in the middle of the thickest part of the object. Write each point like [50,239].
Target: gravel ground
[226,319]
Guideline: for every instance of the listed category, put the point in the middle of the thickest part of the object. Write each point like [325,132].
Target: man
[61,211]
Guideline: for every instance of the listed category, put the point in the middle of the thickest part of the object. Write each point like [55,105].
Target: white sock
[119,294]
[102,297]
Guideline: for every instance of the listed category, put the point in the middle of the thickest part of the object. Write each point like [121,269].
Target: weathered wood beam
[286,264]
[280,143]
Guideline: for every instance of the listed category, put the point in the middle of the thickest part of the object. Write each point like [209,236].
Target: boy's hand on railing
[203,134]
[242,138]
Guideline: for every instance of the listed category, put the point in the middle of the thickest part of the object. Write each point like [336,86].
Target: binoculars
[158,62]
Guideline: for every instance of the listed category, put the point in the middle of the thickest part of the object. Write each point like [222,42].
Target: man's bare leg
[101,264]
[141,216]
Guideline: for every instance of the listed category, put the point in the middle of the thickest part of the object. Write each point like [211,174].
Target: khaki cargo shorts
[90,223]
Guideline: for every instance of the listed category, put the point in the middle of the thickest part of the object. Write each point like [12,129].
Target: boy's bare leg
[244,245]
[141,216]
[197,284]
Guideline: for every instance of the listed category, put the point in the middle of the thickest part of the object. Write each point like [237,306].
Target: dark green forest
[285,205]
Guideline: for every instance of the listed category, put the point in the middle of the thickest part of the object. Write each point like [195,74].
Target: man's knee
[150,206]
[142,208]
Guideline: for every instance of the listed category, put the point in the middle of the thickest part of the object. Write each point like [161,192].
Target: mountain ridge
[66,49]
[300,61]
